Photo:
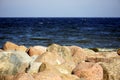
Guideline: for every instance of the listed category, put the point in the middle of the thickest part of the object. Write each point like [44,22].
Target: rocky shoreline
[57,62]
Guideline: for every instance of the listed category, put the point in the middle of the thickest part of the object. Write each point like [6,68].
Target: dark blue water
[84,32]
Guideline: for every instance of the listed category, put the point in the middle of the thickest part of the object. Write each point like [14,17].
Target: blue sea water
[83,32]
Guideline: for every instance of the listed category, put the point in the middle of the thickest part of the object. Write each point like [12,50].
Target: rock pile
[57,62]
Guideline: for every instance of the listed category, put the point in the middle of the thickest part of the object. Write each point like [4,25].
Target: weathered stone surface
[108,54]
[34,67]
[102,57]
[23,76]
[21,48]
[9,46]
[12,62]
[60,70]
[95,60]
[51,58]
[111,70]
[12,46]
[65,53]
[6,77]
[70,77]
[47,75]
[36,50]
[89,71]
[78,54]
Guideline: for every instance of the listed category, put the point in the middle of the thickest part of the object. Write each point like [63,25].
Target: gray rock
[12,62]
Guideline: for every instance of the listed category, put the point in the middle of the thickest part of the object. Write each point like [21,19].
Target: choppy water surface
[84,32]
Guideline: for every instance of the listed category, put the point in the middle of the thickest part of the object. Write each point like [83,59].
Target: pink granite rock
[89,71]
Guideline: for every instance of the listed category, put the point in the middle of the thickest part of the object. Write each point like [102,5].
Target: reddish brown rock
[10,46]
[36,50]
[23,76]
[89,71]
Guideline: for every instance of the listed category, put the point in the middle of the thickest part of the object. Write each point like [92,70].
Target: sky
[59,8]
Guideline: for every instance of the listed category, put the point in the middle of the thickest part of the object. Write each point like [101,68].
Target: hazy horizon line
[57,17]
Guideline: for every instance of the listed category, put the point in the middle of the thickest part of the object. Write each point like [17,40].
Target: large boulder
[51,58]
[78,54]
[111,70]
[54,72]
[65,53]
[12,46]
[12,62]
[9,46]
[36,50]
[89,71]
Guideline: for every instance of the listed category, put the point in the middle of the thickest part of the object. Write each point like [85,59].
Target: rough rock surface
[12,46]
[57,62]
[111,70]
[89,71]
[9,46]
[23,76]
[47,75]
[65,53]
[12,62]
[51,58]
[36,50]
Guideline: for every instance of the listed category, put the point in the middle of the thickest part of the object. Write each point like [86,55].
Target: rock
[65,53]
[111,70]
[51,58]
[89,71]
[108,54]
[12,46]
[9,46]
[34,67]
[36,50]
[6,77]
[23,76]
[78,54]
[12,62]
[21,48]
[96,60]
[118,51]
[95,49]
[59,70]
[47,75]
[70,77]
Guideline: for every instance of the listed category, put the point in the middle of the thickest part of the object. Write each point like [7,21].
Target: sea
[83,32]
